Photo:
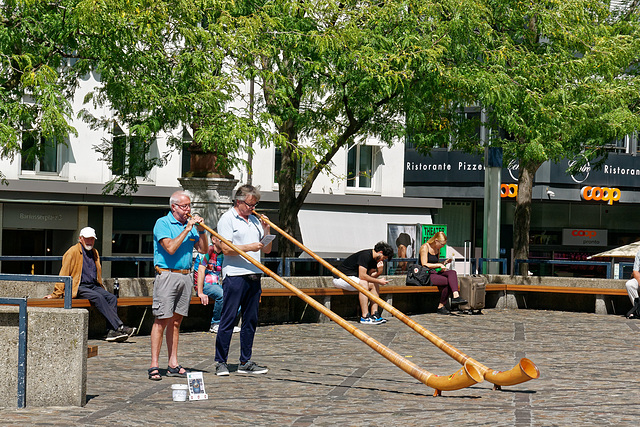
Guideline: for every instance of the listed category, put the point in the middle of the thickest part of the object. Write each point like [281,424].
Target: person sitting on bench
[82,263]
[446,280]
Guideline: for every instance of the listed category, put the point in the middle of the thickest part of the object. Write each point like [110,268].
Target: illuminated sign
[584,237]
[508,190]
[605,194]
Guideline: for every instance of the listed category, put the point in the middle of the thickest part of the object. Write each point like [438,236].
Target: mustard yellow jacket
[72,266]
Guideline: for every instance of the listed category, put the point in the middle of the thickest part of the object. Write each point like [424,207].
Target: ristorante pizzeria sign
[619,170]
[443,166]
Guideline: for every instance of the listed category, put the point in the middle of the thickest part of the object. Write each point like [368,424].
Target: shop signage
[605,194]
[618,170]
[442,166]
[584,237]
[508,190]
[45,217]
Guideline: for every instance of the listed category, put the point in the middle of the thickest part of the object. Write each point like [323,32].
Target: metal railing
[22,346]
[605,264]
[44,278]
[481,261]
[286,266]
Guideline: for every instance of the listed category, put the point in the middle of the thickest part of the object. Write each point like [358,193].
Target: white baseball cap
[88,232]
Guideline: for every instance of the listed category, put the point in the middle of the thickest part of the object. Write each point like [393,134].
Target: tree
[38,42]
[555,79]
[162,69]
[333,73]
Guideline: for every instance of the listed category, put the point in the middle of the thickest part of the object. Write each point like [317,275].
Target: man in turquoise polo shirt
[174,237]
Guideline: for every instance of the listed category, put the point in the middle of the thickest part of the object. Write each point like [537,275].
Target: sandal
[175,372]
[154,374]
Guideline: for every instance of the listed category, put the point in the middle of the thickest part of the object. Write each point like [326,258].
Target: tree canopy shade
[559,78]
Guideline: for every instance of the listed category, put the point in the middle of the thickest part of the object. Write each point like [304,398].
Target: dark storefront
[573,216]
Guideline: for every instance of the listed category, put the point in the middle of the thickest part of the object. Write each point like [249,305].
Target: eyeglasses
[184,207]
[250,206]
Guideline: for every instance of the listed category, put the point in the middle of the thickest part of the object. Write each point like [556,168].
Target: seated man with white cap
[82,263]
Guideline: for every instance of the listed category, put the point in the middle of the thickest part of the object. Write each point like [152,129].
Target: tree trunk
[288,215]
[522,216]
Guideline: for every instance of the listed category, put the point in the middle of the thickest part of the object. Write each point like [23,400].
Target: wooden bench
[565,290]
[266,292]
[509,294]
[507,290]
[384,290]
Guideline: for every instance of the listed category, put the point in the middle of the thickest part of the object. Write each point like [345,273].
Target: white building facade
[48,200]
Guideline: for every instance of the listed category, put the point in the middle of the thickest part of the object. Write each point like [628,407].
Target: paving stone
[321,375]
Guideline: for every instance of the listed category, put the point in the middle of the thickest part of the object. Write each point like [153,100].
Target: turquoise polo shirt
[168,227]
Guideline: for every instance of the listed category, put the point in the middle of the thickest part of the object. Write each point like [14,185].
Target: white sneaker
[214,328]
[236,329]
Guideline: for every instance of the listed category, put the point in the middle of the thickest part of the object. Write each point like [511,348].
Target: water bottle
[116,287]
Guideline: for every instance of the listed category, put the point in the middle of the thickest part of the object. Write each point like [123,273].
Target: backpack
[418,275]
[634,313]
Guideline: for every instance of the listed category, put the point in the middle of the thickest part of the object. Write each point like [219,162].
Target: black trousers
[103,300]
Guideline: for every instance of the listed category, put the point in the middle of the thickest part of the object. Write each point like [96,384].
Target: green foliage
[37,39]
[554,76]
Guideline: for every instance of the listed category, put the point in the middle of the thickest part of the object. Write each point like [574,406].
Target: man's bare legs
[172,325]
[173,334]
[374,288]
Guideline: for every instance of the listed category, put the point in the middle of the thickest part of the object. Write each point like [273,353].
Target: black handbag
[418,275]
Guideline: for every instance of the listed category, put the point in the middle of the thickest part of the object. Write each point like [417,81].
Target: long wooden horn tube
[525,370]
[467,376]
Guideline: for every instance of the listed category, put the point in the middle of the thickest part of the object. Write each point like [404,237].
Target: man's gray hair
[246,191]
[175,197]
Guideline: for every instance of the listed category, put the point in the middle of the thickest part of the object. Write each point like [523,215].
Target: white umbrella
[626,251]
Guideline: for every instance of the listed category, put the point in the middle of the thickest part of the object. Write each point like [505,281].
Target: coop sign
[509,190]
[584,237]
[604,194]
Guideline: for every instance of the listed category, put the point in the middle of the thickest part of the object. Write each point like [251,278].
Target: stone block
[56,356]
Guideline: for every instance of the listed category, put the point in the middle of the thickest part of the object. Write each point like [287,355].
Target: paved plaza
[322,375]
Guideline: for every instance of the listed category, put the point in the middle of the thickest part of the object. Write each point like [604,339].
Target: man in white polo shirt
[241,279]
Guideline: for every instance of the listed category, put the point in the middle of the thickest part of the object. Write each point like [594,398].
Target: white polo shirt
[234,228]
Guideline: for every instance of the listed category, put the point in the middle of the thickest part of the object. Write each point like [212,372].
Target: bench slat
[92,350]
[384,290]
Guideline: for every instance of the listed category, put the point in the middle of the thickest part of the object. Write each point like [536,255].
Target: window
[39,156]
[618,145]
[187,140]
[360,166]
[471,125]
[132,244]
[300,170]
[128,154]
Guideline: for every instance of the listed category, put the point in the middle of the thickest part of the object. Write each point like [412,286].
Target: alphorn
[466,376]
[525,370]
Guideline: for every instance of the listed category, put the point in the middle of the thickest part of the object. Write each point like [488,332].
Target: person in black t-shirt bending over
[364,267]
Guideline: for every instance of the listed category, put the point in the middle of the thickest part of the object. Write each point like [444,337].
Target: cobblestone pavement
[322,375]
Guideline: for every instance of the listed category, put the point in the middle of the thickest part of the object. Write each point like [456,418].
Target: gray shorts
[171,294]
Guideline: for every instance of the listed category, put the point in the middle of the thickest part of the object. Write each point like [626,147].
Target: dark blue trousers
[239,291]
[103,300]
